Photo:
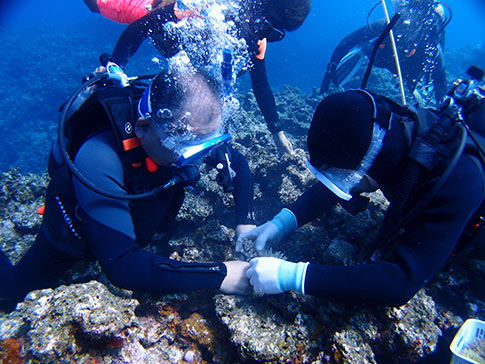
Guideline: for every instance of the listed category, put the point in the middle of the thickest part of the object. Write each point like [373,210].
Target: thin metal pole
[396,57]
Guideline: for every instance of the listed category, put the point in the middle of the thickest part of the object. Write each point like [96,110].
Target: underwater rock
[340,252]
[71,320]
[86,322]
[290,327]
[263,333]
[52,326]
[414,329]
[20,197]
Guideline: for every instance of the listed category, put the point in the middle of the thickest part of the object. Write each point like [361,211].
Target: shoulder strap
[120,107]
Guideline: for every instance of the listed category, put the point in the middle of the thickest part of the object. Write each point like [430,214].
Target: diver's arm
[136,32]
[317,200]
[428,242]
[241,184]
[128,266]
[243,188]
[264,95]
[92,5]
[130,40]
[359,37]
[109,230]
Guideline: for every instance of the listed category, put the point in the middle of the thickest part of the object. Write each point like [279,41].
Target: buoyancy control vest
[108,108]
[435,140]
[430,131]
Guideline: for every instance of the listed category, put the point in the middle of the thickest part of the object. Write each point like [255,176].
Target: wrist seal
[285,221]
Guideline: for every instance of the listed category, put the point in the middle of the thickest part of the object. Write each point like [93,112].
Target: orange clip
[151,165]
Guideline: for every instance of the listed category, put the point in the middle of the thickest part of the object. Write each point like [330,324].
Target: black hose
[377,42]
[481,151]
[61,140]
[370,13]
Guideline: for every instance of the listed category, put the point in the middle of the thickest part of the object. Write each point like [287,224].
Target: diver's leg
[41,267]
[5,277]
[5,269]
[243,188]
[92,5]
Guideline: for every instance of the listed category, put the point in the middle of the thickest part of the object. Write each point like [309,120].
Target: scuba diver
[118,171]
[429,164]
[259,22]
[419,34]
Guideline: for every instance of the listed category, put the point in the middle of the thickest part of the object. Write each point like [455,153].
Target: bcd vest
[115,109]
[429,160]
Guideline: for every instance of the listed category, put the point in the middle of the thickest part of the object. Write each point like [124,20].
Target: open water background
[46,48]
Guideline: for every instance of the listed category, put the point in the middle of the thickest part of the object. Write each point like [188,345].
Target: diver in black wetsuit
[176,111]
[419,35]
[260,22]
[358,142]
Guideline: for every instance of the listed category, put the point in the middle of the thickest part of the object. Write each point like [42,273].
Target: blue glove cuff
[291,276]
[285,221]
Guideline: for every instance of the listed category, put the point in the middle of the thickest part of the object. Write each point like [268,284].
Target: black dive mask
[264,29]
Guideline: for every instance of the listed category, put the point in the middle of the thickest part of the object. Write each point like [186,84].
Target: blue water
[47,49]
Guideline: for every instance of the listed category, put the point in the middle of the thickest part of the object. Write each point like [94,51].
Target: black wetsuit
[151,26]
[115,230]
[428,241]
[417,57]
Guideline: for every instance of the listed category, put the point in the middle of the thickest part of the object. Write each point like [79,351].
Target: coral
[196,328]
[11,351]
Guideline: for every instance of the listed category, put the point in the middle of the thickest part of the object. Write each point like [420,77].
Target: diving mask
[341,181]
[176,134]
[264,29]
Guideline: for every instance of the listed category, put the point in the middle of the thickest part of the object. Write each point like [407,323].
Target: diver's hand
[263,275]
[100,69]
[243,228]
[282,143]
[96,72]
[236,281]
[262,234]
[329,76]
[272,275]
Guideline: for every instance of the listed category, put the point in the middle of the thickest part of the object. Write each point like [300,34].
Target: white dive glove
[273,231]
[272,275]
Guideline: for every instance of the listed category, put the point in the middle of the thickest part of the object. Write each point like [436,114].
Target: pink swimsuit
[124,11]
